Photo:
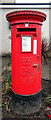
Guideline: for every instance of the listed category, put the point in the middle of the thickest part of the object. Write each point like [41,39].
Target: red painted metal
[26,66]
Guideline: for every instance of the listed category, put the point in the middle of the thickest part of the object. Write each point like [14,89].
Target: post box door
[27,65]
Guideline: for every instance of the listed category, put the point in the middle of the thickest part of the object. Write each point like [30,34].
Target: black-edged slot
[26,29]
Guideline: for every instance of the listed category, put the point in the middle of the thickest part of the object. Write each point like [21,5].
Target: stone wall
[7,1]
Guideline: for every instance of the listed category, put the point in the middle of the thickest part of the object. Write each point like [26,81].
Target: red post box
[26,53]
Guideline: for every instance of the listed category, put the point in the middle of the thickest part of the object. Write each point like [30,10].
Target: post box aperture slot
[26,43]
[26,29]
